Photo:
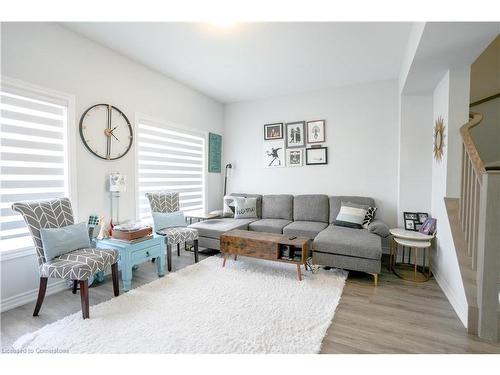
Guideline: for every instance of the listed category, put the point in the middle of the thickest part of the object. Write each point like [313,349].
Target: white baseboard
[31,296]
[460,309]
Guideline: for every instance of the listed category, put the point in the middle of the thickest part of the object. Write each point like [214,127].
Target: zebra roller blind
[33,157]
[169,159]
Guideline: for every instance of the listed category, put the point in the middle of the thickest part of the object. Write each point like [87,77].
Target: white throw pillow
[245,208]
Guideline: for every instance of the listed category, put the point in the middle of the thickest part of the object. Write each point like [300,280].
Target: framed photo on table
[295,134]
[316,156]
[316,131]
[273,131]
[414,220]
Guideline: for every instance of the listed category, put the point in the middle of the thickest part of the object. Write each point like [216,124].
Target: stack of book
[132,233]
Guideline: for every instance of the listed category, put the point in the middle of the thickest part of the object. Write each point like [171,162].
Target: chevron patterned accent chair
[78,265]
[169,202]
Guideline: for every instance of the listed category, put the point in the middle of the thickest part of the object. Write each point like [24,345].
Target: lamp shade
[117,182]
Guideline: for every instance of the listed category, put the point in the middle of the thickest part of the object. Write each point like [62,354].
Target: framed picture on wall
[274,154]
[295,134]
[294,157]
[316,131]
[273,131]
[316,156]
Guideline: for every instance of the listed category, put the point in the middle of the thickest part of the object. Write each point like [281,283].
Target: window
[33,156]
[169,159]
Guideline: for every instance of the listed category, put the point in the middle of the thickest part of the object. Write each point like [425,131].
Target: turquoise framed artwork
[214,152]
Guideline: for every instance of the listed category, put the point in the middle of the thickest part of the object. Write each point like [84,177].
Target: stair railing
[480,220]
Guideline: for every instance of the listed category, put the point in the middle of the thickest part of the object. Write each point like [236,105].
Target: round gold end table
[414,242]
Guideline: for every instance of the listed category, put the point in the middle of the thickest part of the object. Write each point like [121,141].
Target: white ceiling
[256,60]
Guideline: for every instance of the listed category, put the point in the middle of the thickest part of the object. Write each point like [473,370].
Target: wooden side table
[132,254]
[413,241]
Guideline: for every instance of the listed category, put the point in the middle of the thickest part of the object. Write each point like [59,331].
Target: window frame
[58,97]
[138,116]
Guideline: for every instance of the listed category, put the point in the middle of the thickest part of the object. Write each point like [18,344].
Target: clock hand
[111,132]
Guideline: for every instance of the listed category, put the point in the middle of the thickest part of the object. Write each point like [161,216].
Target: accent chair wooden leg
[224,262]
[75,285]
[84,296]
[114,275]
[235,257]
[41,295]
[178,249]
[169,258]
[195,245]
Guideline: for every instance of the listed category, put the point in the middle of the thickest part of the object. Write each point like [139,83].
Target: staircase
[475,225]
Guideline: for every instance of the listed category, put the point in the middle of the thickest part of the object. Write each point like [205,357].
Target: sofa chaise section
[209,231]
[352,249]
[348,248]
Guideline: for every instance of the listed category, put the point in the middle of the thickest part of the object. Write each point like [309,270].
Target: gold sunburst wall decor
[439,139]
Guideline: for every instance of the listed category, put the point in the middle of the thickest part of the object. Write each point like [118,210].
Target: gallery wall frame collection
[286,144]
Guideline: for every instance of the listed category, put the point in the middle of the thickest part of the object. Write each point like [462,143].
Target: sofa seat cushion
[304,228]
[269,225]
[215,227]
[359,243]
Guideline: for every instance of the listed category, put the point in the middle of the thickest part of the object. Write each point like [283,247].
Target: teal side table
[136,253]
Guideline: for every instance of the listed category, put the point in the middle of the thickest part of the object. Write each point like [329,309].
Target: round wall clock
[439,139]
[106,131]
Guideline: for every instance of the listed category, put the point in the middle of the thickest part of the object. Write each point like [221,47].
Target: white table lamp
[117,185]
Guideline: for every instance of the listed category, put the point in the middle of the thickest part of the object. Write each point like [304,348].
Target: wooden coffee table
[270,246]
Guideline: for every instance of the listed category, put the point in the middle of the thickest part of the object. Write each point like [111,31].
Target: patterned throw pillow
[351,215]
[370,215]
[228,206]
[246,208]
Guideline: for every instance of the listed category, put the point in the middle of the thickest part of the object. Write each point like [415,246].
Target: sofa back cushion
[259,200]
[277,207]
[310,207]
[336,203]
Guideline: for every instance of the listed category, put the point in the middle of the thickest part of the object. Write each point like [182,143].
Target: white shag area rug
[250,306]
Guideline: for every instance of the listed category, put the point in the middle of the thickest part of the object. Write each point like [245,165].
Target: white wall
[445,183]
[361,135]
[415,155]
[49,55]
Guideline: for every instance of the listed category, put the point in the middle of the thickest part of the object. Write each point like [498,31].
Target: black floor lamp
[228,166]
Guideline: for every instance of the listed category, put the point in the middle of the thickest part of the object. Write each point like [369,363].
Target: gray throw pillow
[379,227]
[59,241]
[245,208]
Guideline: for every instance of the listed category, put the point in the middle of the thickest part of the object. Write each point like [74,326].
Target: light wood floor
[395,317]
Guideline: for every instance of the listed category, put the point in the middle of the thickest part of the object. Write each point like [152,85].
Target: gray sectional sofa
[311,216]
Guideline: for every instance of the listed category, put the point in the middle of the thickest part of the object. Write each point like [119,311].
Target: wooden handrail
[484,100]
[470,145]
